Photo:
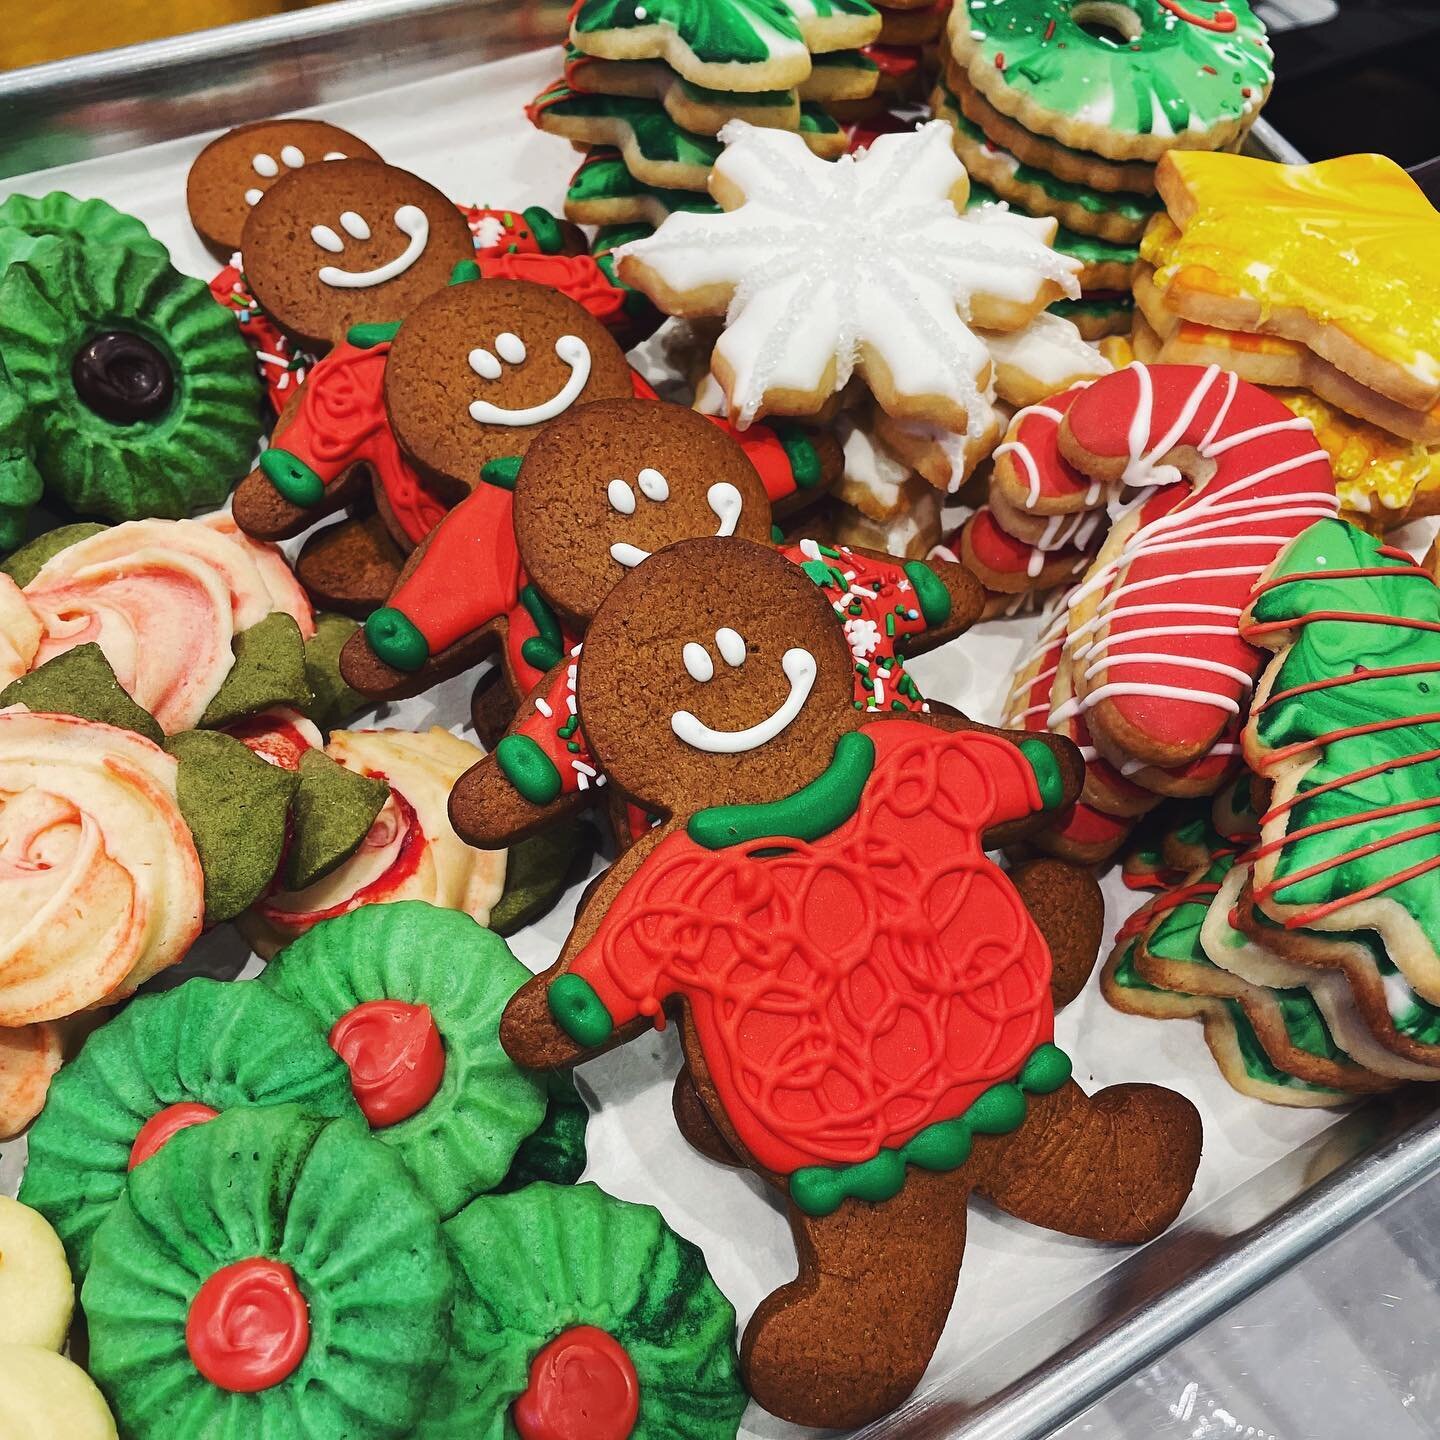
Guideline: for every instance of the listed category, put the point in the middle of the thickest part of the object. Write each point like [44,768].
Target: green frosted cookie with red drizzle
[274,1275]
[411,996]
[579,1314]
[165,1063]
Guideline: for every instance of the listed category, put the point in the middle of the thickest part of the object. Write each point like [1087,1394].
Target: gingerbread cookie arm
[1066,904]
[950,599]
[530,1030]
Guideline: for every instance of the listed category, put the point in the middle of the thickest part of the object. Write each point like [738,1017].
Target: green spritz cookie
[569,1304]
[164,1063]
[556,1151]
[273,1276]
[144,393]
[88,222]
[411,997]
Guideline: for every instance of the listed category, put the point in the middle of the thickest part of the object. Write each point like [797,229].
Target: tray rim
[1110,1350]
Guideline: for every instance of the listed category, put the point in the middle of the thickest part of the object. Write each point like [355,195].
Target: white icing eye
[354,225]
[484,364]
[333,155]
[622,497]
[698,662]
[327,239]
[263,164]
[731,646]
[511,348]
[654,486]
[293,156]
[252,197]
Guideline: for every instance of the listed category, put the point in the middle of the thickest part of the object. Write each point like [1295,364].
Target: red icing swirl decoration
[1222,21]
[248,1326]
[395,1055]
[155,1133]
[583,1386]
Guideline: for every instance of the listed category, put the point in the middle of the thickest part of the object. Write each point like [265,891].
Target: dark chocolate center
[123,378]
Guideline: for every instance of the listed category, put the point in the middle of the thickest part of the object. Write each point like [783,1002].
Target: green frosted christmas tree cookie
[272,1276]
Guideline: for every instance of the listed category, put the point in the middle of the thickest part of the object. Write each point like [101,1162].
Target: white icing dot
[641,13]
[731,646]
[698,662]
[622,497]
[653,485]
[293,156]
[484,364]
[263,164]
[327,239]
[253,197]
[511,348]
[333,155]
[354,225]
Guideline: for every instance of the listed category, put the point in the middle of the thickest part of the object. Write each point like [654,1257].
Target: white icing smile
[723,498]
[510,349]
[799,668]
[410,220]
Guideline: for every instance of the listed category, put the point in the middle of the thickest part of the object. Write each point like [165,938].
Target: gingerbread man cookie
[865,999]
[380,241]
[231,174]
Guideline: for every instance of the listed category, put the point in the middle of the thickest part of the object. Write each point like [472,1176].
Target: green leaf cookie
[81,682]
[333,811]
[332,702]
[545,1260]
[269,670]
[236,806]
[276,1184]
[208,1042]
[462,1138]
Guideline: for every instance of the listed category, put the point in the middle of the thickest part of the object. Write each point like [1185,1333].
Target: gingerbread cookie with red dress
[864,998]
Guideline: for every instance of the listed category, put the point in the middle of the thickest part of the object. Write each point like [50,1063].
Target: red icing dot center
[157,1130]
[395,1055]
[248,1326]
[583,1386]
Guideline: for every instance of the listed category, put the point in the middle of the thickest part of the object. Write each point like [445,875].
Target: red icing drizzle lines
[850,991]
[1222,21]
[1195,552]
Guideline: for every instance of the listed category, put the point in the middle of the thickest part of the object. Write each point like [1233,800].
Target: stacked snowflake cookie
[1319,279]
[1302,937]
[1064,110]
[1142,663]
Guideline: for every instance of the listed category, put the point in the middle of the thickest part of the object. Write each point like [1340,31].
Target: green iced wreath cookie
[272,1276]
[144,394]
[569,1302]
[411,995]
[165,1062]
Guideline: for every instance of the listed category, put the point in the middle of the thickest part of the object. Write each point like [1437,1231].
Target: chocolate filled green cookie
[143,392]
[275,1274]
[576,1313]
[165,1063]
[411,996]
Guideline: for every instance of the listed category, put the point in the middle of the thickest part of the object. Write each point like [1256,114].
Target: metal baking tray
[1012,1386]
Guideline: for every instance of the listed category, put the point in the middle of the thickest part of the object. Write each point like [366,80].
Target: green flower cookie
[20,483]
[412,994]
[90,222]
[541,1271]
[556,1151]
[272,1276]
[144,395]
[206,1044]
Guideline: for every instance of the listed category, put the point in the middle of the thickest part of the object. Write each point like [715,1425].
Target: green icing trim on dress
[317,1195]
[225,1045]
[547,1259]
[462,1142]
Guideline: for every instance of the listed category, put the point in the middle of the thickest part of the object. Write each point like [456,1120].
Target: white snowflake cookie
[862,266]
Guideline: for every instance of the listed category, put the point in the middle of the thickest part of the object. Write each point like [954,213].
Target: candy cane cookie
[1161,671]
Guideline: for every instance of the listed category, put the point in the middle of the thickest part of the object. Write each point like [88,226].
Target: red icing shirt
[852,990]
[341,421]
[282,367]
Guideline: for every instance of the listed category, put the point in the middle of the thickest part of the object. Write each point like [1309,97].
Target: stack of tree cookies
[647,89]
[1320,279]
[1063,110]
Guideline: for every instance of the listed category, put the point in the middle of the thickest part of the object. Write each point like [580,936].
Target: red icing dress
[853,987]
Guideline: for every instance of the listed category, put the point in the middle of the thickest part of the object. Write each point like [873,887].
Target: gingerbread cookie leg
[694,1123]
[849,1338]
[1065,902]
[1116,1166]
